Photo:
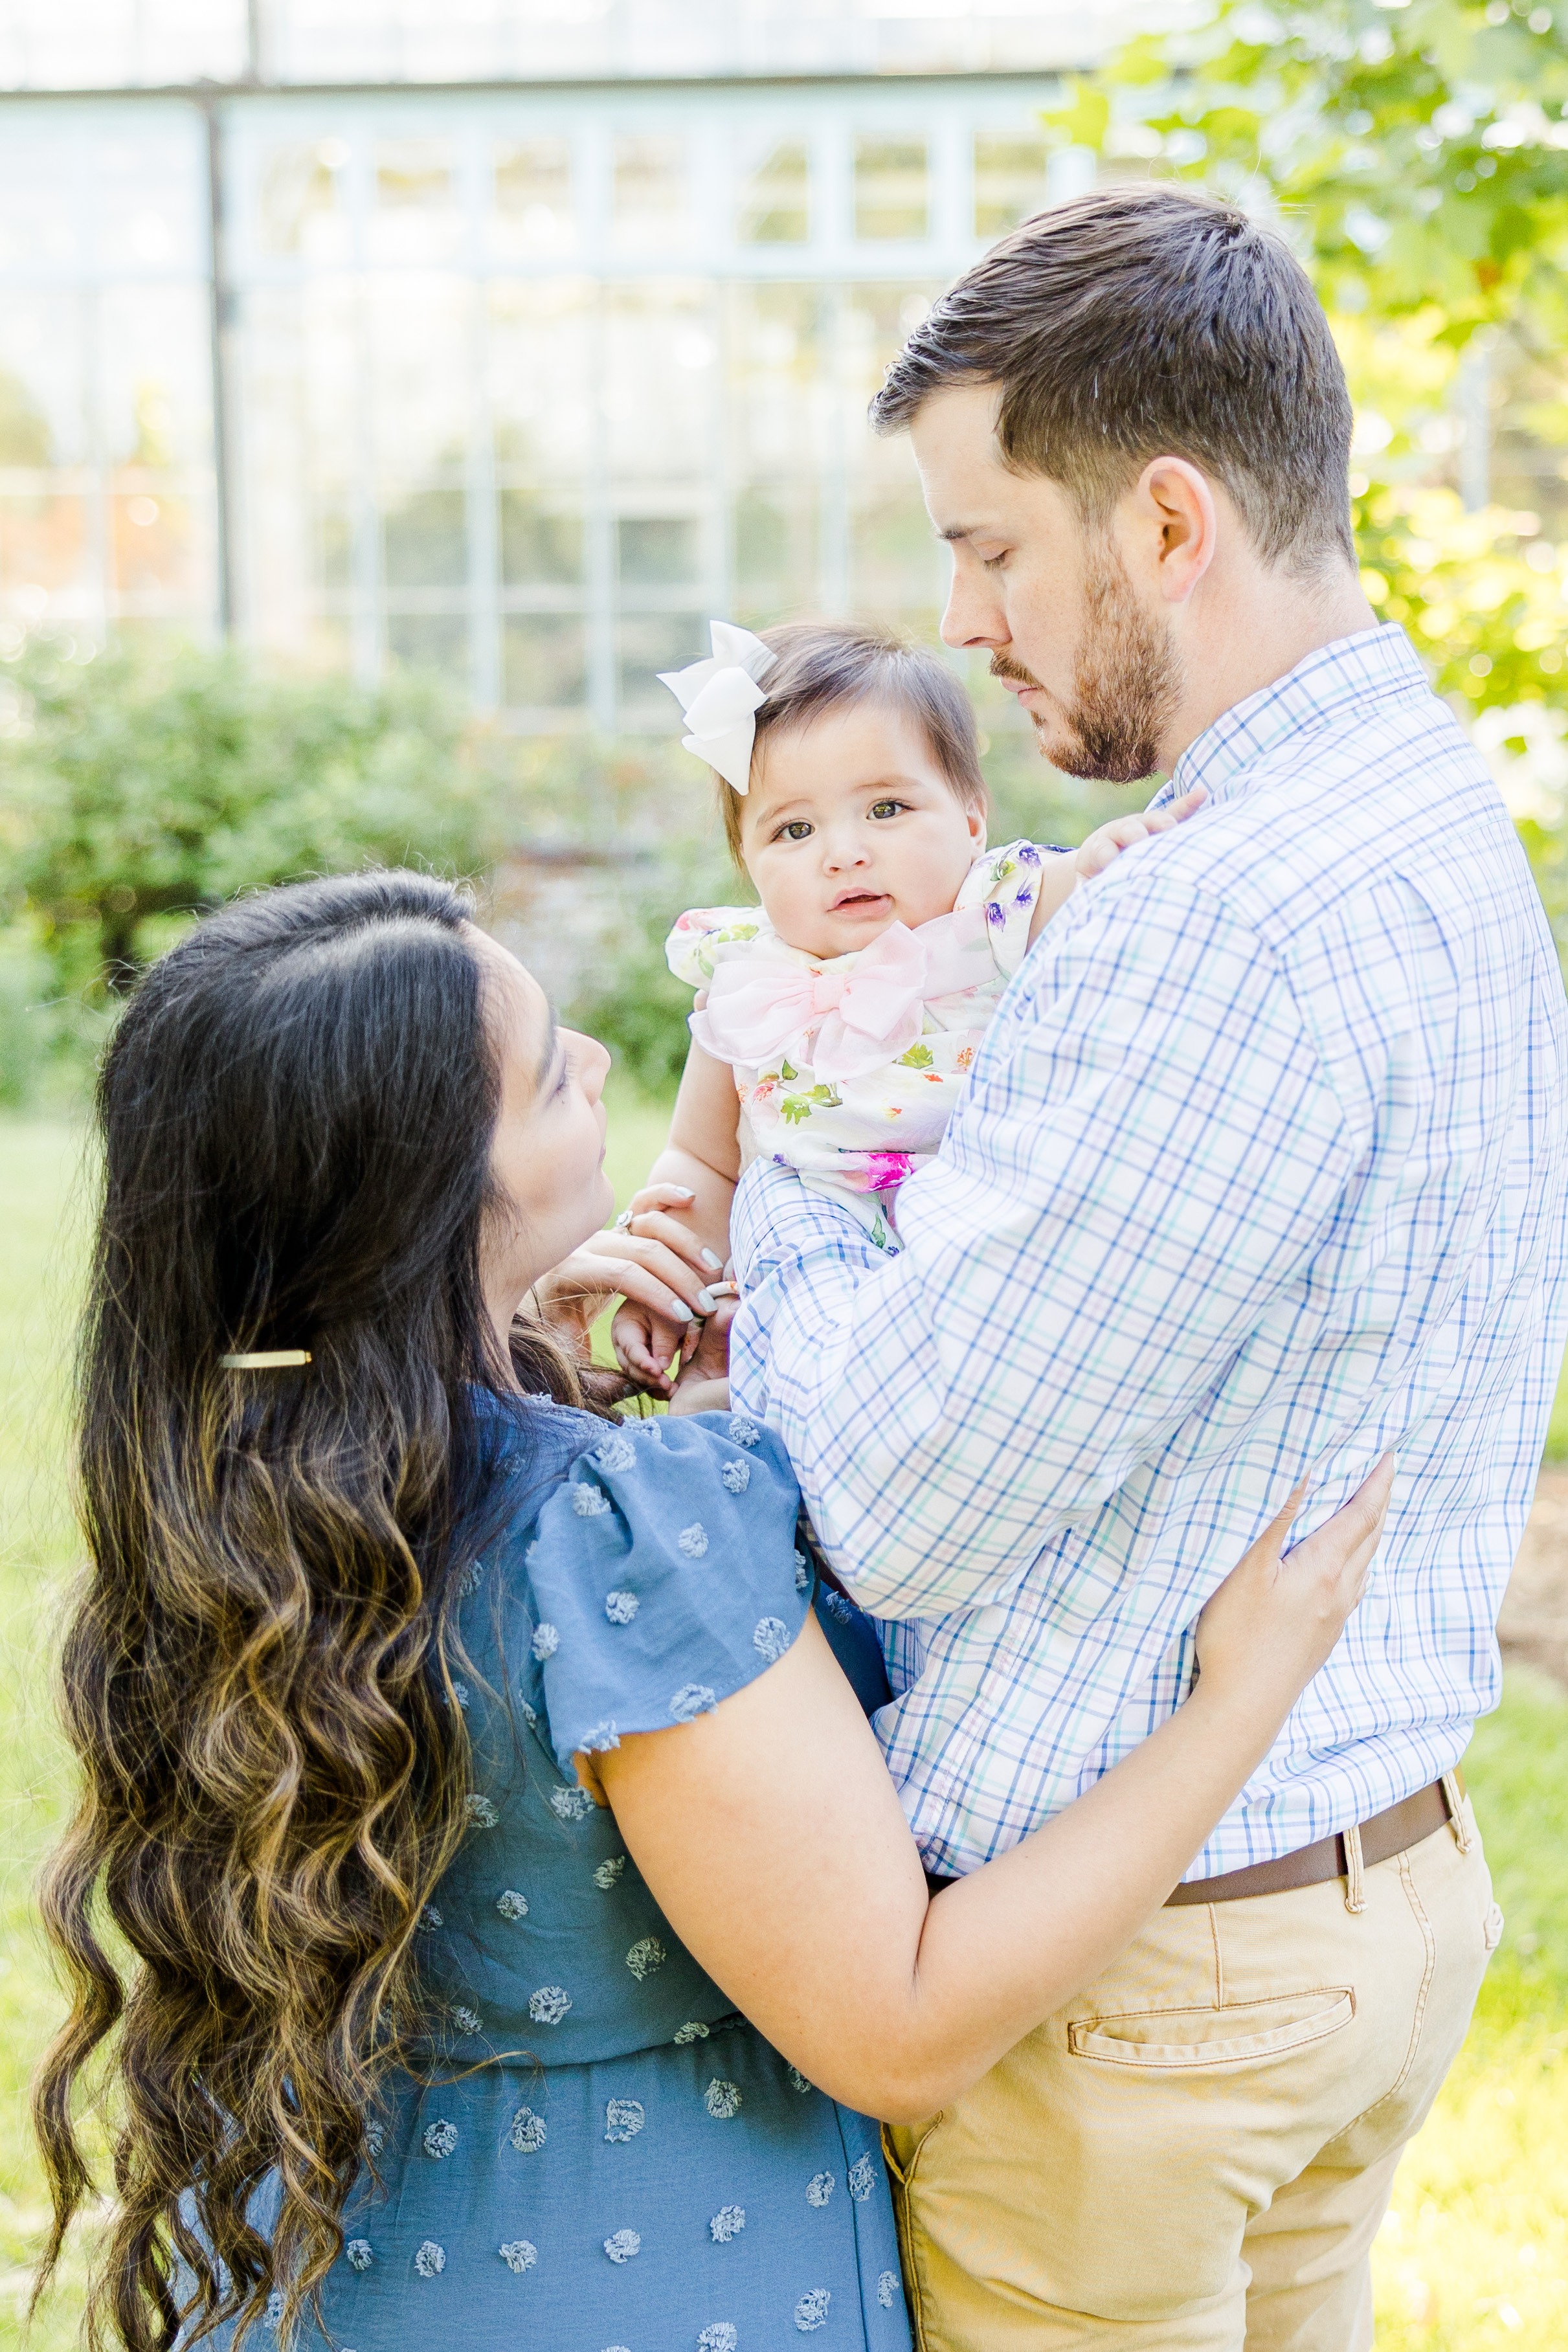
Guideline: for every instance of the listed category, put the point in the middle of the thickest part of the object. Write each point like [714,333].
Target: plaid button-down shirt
[1263,1168]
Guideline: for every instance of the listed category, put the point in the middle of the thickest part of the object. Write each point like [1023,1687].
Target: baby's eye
[888,808]
[797,829]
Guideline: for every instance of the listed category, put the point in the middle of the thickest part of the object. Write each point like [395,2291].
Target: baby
[837,1023]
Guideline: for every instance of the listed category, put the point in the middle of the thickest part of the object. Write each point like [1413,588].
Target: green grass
[1475,2252]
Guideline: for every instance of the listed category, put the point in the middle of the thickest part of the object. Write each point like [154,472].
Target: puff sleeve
[665,1577]
[690,949]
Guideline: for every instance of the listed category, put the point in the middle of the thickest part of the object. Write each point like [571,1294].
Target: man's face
[1091,661]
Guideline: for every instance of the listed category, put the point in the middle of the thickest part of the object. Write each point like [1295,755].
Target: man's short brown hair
[827,664]
[1143,321]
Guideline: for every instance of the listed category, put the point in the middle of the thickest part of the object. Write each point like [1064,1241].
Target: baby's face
[850,826]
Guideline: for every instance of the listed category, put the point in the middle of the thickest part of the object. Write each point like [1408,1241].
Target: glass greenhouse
[508,338]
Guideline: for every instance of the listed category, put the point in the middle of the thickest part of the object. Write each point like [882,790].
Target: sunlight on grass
[1475,2252]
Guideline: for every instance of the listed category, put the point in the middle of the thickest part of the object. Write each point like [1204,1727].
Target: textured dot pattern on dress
[431,2259]
[589,1502]
[694,2030]
[624,2118]
[811,2311]
[770,1638]
[722,2099]
[549,2005]
[694,1541]
[617,1453]
[358,2255]
[862,2178]
[692,1699]
[430,1918]
[888,2290]
[482,1814]
[727,2223]
[571,1804]
[606,1873]
[719,2336]
[519,2256]
[802,1571]
[644,1956]
[511,1905]
[736,1477]
[620,1608]
[467,2020]
[440,2138]
[546,1639]
[621,2245]
[743,1432]
[797,2081]
[819,2188]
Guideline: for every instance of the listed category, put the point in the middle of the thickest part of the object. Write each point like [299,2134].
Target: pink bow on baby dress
[846,1017]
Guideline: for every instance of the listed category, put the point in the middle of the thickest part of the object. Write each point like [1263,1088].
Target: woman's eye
[888,808]
[797,829]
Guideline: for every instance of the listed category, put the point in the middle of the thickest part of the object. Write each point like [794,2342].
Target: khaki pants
[1194,2154]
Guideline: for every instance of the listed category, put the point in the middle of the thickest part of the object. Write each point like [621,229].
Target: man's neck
[1251,630]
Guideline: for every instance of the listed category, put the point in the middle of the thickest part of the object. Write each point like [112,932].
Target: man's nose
[974,616]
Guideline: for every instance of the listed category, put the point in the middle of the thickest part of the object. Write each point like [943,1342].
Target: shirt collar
[1374,665]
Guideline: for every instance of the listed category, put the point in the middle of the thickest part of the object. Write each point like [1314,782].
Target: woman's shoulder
[659,1575]
[692,947]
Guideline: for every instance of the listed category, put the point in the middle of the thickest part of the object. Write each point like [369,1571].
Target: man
[1263,1171]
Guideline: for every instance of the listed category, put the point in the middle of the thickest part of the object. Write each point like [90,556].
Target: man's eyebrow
[547,1059]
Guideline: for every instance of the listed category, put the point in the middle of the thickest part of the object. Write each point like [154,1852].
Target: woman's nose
[593,1063]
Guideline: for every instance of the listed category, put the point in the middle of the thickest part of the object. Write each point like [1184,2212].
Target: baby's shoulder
[1005,883]
[691,947]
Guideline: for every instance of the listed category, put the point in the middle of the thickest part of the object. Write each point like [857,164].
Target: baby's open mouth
[852,901]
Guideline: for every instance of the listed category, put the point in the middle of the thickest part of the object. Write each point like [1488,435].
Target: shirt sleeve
[688,950]
[665,1577]
[1148,1155]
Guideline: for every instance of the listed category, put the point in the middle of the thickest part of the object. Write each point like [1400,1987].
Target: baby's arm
[1060,876]
[702,1159]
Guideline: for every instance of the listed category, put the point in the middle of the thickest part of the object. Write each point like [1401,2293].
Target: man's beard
[1126,684]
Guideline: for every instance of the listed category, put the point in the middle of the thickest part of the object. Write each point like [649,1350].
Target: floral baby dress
[849,1067]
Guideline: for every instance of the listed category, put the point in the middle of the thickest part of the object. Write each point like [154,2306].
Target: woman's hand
[645,1334]
[1277,1615]
[660,1267]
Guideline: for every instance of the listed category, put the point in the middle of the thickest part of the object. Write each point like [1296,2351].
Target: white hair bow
[721,698]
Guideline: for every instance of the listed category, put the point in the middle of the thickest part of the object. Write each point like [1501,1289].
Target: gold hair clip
[271,1360]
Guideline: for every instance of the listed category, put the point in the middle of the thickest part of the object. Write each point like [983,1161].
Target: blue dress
[603,2155]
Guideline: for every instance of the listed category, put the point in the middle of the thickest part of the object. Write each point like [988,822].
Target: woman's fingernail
[681,1312]
[716,1263]
[706,1301]
[683,1191]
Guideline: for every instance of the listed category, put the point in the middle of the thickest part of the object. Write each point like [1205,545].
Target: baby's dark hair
[826,665]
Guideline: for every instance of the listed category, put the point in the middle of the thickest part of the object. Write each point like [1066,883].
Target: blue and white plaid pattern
[1263,1170]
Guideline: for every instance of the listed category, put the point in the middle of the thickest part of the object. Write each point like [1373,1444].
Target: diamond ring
[623,1222]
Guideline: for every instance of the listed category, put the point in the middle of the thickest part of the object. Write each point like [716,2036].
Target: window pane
[544,388]
[775,208]
[152,554]
[646,643]
[43,549]
[1009,179]
[301,201]
[650,194]
[533,196]
[433,641]
[540,545]
[416,201]
[890,187]
[657,551]
[545,660]
[661,385]
[427,540]
[776,547]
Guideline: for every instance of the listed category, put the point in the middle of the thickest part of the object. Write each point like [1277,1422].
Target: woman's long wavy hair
[297,1114]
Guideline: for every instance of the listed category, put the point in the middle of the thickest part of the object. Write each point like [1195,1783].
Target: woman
[458,1762]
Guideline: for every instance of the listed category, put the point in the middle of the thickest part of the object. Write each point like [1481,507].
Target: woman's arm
[772,1837]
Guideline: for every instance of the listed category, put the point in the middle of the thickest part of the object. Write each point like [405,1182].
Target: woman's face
[548,1152]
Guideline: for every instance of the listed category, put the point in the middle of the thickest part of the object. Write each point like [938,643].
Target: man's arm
[1147,1158]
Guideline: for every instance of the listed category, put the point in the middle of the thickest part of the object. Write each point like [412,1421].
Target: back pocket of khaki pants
[1179,2040]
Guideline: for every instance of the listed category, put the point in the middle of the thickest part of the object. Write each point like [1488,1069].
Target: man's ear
[1170,526]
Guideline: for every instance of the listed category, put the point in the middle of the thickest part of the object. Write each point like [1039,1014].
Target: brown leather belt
[1384,1835]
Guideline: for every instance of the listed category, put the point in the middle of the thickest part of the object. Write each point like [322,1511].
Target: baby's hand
[1106,844]
[645,1338]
